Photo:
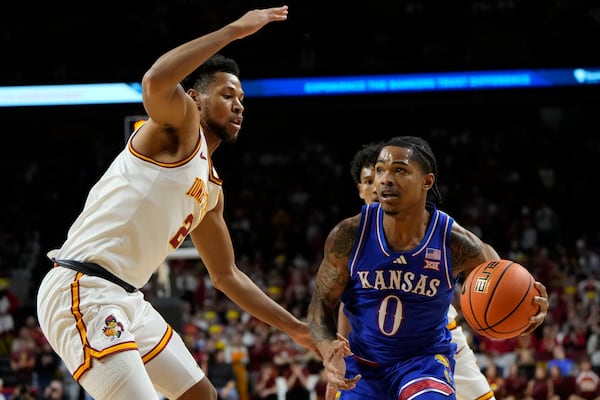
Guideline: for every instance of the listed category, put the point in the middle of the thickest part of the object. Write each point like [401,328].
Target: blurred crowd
[522,184]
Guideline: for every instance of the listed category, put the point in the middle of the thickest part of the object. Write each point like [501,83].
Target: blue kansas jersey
[397,302]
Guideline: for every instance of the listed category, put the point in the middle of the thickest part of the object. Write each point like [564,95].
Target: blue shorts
[429,377]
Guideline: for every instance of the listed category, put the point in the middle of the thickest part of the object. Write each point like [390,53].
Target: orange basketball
[496,299]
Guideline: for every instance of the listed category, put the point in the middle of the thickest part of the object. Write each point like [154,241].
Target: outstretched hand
[254,20]
[335,368]
[331,392]
[542,301]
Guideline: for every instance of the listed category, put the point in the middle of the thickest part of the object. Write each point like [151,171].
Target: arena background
[502,153]
[512,163]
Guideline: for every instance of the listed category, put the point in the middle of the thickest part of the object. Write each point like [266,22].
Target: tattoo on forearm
[332,279]
[322,331]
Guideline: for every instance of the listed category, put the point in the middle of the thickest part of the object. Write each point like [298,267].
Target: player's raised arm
[164,99]
[162,187]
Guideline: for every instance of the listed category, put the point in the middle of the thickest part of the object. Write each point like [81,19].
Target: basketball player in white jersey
[161,188]
[471,383]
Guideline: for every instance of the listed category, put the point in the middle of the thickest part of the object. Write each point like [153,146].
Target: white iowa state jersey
[140,211]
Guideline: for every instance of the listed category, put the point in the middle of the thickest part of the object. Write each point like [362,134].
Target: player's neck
[405,231]
[212,140]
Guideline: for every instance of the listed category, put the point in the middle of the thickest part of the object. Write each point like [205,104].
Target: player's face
[400,181]
[366,186]
[222,107]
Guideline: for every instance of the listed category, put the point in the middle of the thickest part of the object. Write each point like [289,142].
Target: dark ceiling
[54,42]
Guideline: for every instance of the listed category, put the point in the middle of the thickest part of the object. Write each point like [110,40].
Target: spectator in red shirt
[260,353]
[266,383]
[563,386]
[540,386]
[296,378]
[23,359]
[515,384]
[587,382]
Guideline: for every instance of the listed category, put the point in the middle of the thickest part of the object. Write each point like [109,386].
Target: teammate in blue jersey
[394,267]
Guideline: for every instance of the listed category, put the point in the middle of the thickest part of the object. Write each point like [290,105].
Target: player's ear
[428,181]
[193,94]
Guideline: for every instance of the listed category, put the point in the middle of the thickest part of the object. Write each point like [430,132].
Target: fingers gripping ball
[496,299]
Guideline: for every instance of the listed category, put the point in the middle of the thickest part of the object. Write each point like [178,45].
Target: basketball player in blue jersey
[161,188]
[469,381]
[394,267]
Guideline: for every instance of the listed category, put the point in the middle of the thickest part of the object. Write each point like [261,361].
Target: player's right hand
[542,301]
[254,20]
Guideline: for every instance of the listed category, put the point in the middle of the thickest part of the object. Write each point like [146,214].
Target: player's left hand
[331,392]
[335,366]
[542,301]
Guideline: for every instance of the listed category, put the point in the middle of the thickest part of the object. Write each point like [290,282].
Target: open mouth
[387,194]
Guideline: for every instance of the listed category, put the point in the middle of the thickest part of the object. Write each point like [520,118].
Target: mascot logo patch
[443,360]
[112,328]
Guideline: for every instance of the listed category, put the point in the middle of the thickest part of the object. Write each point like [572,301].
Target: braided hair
[422,153]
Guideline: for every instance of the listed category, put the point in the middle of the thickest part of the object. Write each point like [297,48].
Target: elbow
[150,82]
[154,82]
[220,280]
[217,282]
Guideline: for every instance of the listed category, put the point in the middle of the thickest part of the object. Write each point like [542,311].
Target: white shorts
[468,378]
[86,319]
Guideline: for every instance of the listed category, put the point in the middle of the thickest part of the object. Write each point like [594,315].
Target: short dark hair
[202,76]
[365,157]
[422,154]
